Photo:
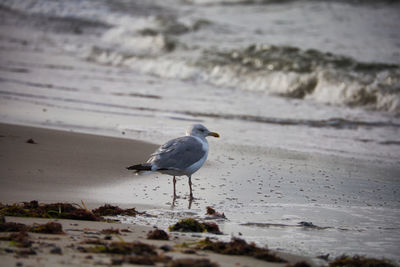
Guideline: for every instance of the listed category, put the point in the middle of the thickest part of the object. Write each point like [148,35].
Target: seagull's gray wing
[178,154]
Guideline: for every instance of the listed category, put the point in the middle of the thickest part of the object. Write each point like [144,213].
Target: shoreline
[72,167]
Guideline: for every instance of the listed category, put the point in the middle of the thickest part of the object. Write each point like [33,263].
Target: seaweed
[26,252]
[31,141]
[12,227]
[20,239]
[93,241]
[215,214]
[56,250]
[187,225]
[192,263]
[47,228]
[63,211]
[110,231]
[299,264]
[192,225]
[54,210]
[238,246]
[150,260]
[109,210]
[157,234]
[210,211]
[123,248]
[359,261]
[212,227]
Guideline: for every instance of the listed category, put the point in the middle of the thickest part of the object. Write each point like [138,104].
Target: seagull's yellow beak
[213,134]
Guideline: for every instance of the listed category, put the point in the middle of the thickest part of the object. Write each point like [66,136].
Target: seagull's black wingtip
[140,167]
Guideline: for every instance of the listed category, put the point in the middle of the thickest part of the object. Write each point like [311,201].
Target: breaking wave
[155,40]
[311,74]
[277,70]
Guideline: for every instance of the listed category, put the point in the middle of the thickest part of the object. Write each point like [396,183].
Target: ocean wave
[156,44]
[283,71]
[311,74]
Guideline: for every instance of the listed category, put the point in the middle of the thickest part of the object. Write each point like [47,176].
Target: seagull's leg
[174,182]
[190,187]
[190,203]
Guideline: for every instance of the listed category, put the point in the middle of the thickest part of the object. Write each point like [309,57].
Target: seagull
[180,156]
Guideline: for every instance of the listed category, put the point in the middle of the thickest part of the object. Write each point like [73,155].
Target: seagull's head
[200,130]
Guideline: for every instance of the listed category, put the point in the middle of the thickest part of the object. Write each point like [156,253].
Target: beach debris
[157,234]
[8,250]
[238,246]
[125,248]
[212,227]
[192,225]
[109,210]
[56,250]
[187,225]
[299,264]
[311,225]
[214,214]
[19,239]
[31,141]
[54,210]
[47,228]
[141,260]
[64,211]
[188,251]
[12,227]
[166,248]
[26,252]
[324,257]
[192,263]
[110,231]
[359,261]
[93,241]
[210,211]
[132,252]
[307,224]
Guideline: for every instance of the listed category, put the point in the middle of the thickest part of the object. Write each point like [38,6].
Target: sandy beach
[58,167]
[63,166]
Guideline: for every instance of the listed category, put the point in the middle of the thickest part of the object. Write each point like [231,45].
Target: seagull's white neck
[202,140]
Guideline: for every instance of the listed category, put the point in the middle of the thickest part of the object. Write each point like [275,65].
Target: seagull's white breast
[196,166]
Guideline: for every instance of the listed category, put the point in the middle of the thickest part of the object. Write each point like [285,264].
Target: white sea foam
[329,87]
[153,45]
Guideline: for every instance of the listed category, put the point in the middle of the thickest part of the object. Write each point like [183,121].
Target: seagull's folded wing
[178,154]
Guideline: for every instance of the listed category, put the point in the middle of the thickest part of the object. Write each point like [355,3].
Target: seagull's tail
[140,168]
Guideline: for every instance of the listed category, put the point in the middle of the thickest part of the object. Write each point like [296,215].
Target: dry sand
[58,167]
[61,165]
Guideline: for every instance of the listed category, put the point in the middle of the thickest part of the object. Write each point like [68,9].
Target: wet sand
[264,193]
[69,246]
[62,166]
[56,166]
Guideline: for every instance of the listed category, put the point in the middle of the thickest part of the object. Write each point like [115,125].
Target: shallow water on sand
[309,135]
[351,205]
